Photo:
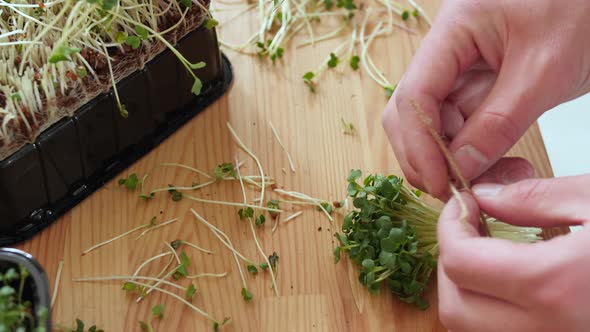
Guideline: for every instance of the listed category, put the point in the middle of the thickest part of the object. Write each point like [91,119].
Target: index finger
[447,51]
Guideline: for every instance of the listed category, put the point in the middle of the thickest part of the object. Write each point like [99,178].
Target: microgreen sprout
[333,61]
[158,311]
[276,134]
[354,62]
[129,182]
[175,195]
[347,127]
[146,326]
[60,267]
[151,223]
[293,216]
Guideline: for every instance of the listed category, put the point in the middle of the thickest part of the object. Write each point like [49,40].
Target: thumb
[537,202]
[520,95]
[459,220]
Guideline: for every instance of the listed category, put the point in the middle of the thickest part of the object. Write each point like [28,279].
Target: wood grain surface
[315,294]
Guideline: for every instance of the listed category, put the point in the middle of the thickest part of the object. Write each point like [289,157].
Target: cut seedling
[321,204]
[60,267]
[156,227]
[223,238]
[152,223]
[293,216]
[347,127]
[276,134]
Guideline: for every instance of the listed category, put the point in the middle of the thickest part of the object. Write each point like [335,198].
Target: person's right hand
[484,73]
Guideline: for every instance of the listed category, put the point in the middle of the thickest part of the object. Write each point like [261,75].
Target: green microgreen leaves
[354,62]
[158,311]
[15,305]
[308,80]
[247,295]
[405,15]
[273,204]
[347,127]
[63,52]
[175,195]
[346,4]
[260,219]
[246,213]
[129,182]
[378,237]
[252,269]
[225,170]
[133,42]
[389,90]
[210,23]
[190,292]
[333,61]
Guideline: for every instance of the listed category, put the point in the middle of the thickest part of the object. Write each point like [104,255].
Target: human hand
[488,284]
[484,73]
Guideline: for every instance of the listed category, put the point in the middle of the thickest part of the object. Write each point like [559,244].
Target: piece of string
[427,121]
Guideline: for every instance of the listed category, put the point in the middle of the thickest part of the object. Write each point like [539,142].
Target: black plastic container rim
[36,273]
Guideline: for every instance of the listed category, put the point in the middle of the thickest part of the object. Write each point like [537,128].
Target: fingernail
[471,161]
[486,189]
[517,174]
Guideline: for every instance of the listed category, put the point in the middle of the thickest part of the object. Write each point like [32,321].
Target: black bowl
[36,287]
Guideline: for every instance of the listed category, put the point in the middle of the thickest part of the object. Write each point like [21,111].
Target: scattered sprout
[130,182]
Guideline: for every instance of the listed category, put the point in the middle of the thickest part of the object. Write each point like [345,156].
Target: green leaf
[415,13]
[273,260]
[225,170]
[109,4]
[141,32]
[81,72]
[123,111]
[186,3]
[62,53]
[133,42]
[247,295]
[184,260]
[337,251]
[246,213]
[176,244]
[210,23]
[190,292]
[333,61]
[325,206]
[389,90]
[197,86]
[342,239]
[347,223]
[260,219]
[368,264]
[354,175]
[6,291]
[79,325]
[197,65]
[354,62]
[252,269]
[129,286]
[130,182]
[308,76]
[405,15]
[329,4]
[120,37]
[158,311]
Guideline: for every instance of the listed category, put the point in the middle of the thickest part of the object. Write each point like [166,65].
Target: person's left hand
[488,284]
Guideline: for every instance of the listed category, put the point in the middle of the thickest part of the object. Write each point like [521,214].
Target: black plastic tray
[77,155]
[36,287]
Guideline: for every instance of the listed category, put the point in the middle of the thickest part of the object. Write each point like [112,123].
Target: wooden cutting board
[315,294]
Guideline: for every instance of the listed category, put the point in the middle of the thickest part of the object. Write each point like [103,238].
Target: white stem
[129,278]
[198,248]
[96,246]
[57,282]
[208,275]
[282,146]
[293,216]
[156,227]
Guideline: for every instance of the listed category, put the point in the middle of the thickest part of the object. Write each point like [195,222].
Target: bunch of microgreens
[16,313]
[60,48]
[279,21]
[391,235]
